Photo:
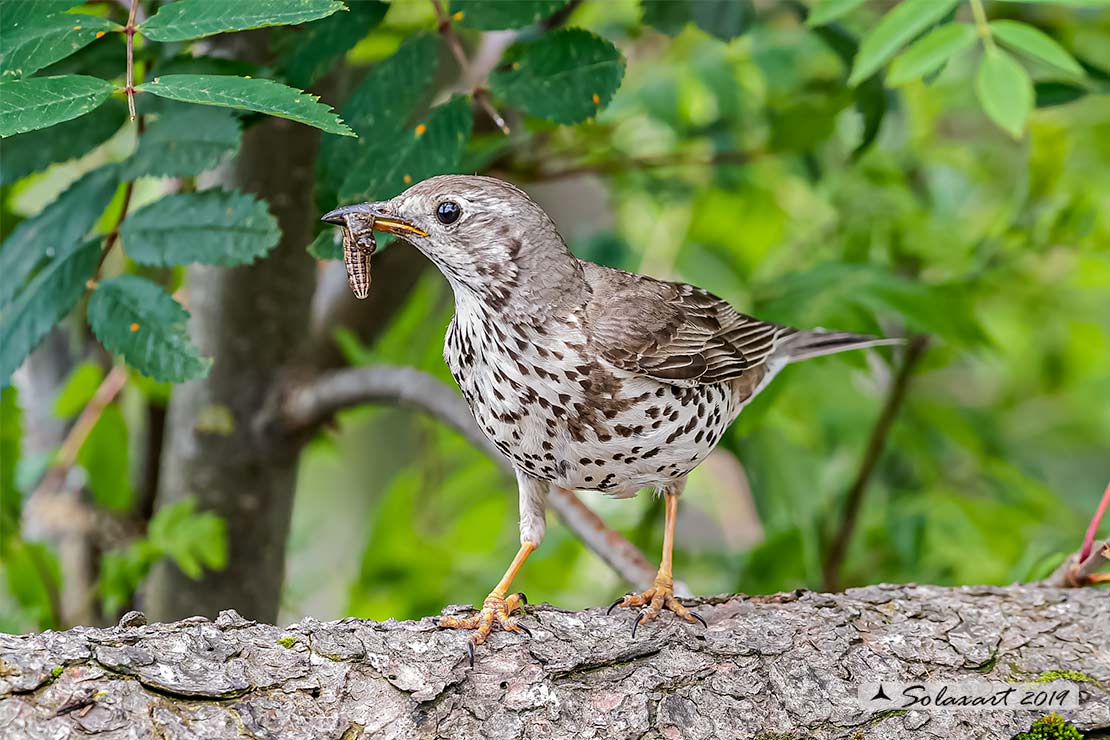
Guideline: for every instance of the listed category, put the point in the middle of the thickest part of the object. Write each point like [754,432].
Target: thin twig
[313,403]
[834,558]
[481,95]
[129,31]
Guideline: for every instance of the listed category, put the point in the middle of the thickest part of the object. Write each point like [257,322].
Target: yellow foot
[653,601]
[495,610]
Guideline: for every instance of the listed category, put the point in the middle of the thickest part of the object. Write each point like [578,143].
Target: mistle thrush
[585,377]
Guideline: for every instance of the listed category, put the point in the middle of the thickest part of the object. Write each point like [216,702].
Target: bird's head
[485,235]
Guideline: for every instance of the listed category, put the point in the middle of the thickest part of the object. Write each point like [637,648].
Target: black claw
[636,622]
[614,605]
[700,618]
[523,598]
[470,653]
[435,621]
[524,629]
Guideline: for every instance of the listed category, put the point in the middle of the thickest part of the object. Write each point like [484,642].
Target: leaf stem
[129,31]
[981,23]
[481,95]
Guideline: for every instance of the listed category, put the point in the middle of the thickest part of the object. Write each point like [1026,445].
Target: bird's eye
[448,212]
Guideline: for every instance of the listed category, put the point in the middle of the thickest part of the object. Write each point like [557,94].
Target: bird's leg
[661,595]
[497,608]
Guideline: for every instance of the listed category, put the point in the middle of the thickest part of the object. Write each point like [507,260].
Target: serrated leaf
[312,50]
[1004,90]
[566,76]
[186,20]
[929,53]
[39,102]
[35,151]
[725,19]
[42,41]
[184,143]
[1036,43]
[494,15]
[245,93]
[326,246]
[380,106]
[432,147]
[104,456]
[826,11]
[893,30]
[56,230]
[140,321]
[213,227]
[42,304]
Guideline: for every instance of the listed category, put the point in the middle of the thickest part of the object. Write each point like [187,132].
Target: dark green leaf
[725,19]
[871,103]
[43,41]
[122,571]
[42,304]
[1036,43]
[56,231]
[137,319]
[492,15]
[825,11]
[104,456]
[78,390]
[1049,94]
[214,227]
[39,102]
[566,76]
[667,16]
[18,12]
[184,143]
[380,106]
[25,564]
[1005,91]
[245,93]
[312,50]
[37,150]
[193,19]
[893,30]
[433,147]
[327,245]
[929,53]
[193,539]
[11,443]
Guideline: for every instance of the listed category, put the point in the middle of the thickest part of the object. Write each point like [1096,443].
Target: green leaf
[11,443]
[725,19]
[1036,43]
[1072,3]
[17,13]
[893,30]
[326,246]
[1005,91]
[137,319]
[25,563]
[184,143]
[381,105]
[104,456]
[1050,93]
[312,50]
[193,539]
[42,304]
[245,93]
[39,102]
[433,147]
[493,15]
[666,16]
[78,390]
[37,150]
[213,227]
[929,53]
[43,41]
[566,76]
[825,11]
[185,20]
[56,231]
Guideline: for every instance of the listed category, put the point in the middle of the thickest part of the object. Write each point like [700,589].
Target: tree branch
[787,665]
[443,25]
[309,405]
[834,557]
[129,32]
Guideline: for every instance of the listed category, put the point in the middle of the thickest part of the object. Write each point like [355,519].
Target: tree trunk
[784,666]
[253,320]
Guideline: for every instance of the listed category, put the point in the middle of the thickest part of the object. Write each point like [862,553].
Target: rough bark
[784,666]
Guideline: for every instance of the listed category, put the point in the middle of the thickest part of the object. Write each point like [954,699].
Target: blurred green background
[736,164]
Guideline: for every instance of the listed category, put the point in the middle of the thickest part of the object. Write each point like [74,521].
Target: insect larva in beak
[358,246]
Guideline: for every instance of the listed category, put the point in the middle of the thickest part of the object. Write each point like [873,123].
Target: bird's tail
[817,342]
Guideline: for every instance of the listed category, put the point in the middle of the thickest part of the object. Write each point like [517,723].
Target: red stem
[1089,539]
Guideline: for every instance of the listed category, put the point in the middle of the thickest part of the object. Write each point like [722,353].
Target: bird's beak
[379,212]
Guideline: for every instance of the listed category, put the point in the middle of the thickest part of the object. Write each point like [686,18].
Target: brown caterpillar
[358,246]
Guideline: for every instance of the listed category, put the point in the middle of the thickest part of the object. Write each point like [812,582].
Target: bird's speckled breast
[564,417]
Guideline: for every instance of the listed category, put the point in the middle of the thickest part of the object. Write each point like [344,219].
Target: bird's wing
[673,332]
